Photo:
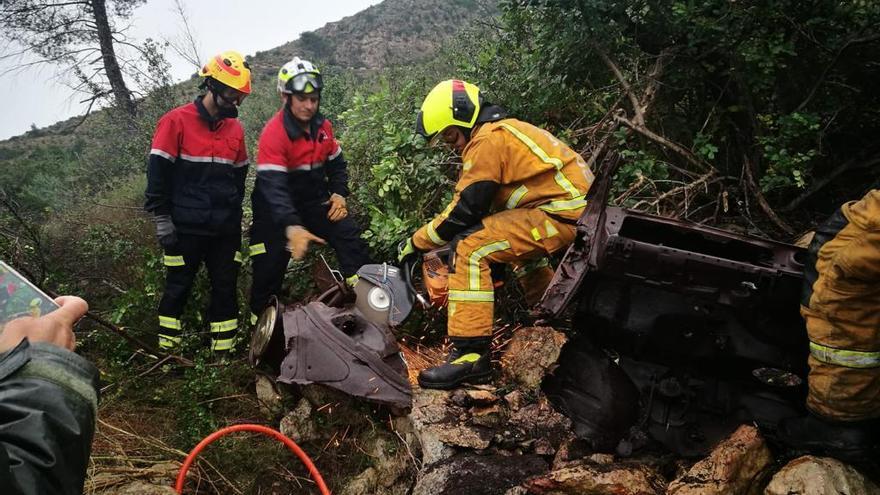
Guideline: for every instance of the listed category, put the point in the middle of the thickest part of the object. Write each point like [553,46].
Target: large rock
[811,475]
[478,474]
[392,472]
[440,425]
[531,353]
[267,395]
[538,424]
[736,466]
[590,478]
[154,480]
[299,425]
[143,488]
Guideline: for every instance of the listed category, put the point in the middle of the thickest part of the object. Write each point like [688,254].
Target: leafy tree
[779,92]
[79,34]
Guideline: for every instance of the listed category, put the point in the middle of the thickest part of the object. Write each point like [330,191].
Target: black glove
[165,231]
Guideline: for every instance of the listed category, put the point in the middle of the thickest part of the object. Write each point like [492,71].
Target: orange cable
[303,457]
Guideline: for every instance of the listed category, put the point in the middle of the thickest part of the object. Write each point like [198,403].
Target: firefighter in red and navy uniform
[195,186]
[301,186]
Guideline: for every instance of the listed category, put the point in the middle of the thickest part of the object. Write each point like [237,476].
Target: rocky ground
[507,439]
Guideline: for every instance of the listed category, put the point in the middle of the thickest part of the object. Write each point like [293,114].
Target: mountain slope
[393,32]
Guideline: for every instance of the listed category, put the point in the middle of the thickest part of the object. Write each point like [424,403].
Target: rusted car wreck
[688,330]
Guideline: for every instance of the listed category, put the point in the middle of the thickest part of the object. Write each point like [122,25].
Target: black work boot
[848,441]
[468,361]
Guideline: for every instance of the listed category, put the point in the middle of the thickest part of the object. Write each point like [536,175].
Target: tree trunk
[111,65]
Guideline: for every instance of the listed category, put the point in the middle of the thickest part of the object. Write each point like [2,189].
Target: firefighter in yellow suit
[517,200]
[841,307]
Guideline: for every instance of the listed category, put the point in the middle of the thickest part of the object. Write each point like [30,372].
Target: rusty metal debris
[693,315]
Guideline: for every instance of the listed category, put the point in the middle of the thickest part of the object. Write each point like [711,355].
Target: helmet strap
[215,88]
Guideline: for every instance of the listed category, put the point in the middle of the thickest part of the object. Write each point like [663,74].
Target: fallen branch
[824,181]
[762,201]
[118,207]
[149,370]
[136,341]
[647,99]
[685,188]
[681,150]
[636,104]
[632,189]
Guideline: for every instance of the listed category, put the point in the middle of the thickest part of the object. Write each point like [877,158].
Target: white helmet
[299,76]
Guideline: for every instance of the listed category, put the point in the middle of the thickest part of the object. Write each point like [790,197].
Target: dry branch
[667,143]
[648,95]
[636,104]
[824,181]
[702,180]
[134,340]
[762,201]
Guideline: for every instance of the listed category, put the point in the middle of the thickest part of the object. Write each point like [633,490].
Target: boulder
[585,477]
[478,474]
[143,488]
[392,472]
[810,475]
[440,424]
[515,400]
[540,421]
[570,449]
[154,480]
[299,425]
[270,400]
[531,353]
[736,466]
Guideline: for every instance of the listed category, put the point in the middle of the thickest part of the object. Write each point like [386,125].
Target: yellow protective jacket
[510,164]
[841,307]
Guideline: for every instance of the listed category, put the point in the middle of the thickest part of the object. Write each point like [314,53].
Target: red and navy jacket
[196,171]
[296,167]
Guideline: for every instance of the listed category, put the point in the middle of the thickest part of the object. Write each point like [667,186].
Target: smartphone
[19,297]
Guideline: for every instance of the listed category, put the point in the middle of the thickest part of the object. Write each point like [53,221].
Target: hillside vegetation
[759,116]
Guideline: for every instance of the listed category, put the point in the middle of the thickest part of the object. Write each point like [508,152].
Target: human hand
[298,239]
[165,231]
[54,328]
[338,208]
[406,250]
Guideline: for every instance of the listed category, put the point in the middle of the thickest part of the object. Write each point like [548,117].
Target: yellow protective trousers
[842,314]
[510,237]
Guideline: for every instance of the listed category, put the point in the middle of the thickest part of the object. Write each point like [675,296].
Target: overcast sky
[34,97]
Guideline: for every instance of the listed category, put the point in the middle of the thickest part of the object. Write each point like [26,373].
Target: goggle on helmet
[299,76]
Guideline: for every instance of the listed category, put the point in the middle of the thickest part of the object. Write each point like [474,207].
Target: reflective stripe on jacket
[196,171]
[295,166]
[510,164]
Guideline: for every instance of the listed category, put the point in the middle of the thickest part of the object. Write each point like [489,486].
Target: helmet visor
[299,82]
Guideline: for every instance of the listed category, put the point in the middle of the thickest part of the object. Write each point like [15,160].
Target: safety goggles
[232,96]
[298,82]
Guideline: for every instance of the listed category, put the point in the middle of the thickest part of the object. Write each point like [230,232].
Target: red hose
[316,475]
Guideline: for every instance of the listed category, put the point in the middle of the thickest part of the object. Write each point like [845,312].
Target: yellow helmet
[229,68]
[451,102]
